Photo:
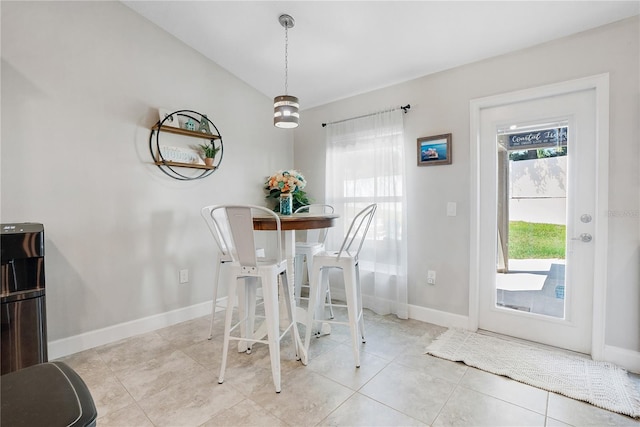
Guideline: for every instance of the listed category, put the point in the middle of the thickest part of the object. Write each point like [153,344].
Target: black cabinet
[22,297]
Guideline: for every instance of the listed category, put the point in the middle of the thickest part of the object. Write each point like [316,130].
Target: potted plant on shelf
[209,151]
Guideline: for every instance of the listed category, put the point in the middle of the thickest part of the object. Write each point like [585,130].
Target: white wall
[440,104]
[81,85]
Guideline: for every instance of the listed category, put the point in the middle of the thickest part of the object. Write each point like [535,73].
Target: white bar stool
[234,233]
[346,259]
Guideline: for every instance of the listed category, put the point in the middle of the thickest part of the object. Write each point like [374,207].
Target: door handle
[584,237]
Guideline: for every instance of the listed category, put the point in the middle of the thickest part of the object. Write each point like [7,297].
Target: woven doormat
[600,383]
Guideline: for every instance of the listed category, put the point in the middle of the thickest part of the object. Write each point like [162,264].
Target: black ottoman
[49,394]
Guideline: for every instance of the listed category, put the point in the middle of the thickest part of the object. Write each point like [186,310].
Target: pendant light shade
[285,107]
[285,111]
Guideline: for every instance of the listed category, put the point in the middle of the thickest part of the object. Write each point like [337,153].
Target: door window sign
[537,139]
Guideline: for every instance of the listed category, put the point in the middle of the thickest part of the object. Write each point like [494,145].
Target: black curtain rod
[403,108]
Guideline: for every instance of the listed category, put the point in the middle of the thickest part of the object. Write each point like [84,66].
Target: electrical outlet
[184,276]
[431,277]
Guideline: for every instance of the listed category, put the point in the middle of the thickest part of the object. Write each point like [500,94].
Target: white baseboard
[440,318]
[627,359]
[66,346]
[429,315]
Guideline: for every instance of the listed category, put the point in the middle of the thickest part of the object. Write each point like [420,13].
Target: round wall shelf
[183,162]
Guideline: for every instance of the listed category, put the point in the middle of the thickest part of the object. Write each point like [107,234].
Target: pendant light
[285,107]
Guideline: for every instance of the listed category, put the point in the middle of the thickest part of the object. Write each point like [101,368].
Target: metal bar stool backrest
[241,225]
[220,232]
[316,235]
[357,233]
[236,236]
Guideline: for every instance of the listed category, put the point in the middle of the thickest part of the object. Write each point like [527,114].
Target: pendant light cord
[286,107]
[286,59]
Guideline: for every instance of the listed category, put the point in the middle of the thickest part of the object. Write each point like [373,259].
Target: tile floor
[169,378]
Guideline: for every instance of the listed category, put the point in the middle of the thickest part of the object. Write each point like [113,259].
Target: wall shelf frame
[181,170]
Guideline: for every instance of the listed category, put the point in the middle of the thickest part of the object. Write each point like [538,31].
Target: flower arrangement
[287,181]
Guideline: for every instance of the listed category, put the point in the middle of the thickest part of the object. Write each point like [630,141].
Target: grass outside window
[528,240]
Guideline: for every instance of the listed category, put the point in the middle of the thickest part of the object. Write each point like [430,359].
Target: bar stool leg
[360,306]
[272,320]
[227,328]
[314,285]
[352,309]
[215,296]
[249,313]
[298,271]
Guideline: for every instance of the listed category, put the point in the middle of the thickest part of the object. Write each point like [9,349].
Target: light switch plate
[451,208]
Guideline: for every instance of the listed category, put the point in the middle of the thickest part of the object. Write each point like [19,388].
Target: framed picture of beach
[434,150]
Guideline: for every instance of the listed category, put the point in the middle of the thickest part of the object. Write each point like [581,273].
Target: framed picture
[172,120]
[434,150]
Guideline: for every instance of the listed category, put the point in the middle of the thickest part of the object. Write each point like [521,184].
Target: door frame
[600,83]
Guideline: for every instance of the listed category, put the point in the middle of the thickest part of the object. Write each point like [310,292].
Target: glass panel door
[532,212]
[525,208]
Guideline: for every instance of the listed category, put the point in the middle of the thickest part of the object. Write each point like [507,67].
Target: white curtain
[365,164]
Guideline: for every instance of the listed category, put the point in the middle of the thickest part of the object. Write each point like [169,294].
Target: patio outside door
[511,300]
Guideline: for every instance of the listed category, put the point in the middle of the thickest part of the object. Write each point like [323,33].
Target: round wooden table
[300,221]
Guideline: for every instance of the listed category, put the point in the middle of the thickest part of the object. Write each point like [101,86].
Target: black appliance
[49,394]
[22,297]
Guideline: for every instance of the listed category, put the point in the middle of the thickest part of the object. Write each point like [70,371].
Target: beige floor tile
[506,389]
[87,363]
[170,377]
[421,343]
[470,408]
[245,414]
[360,410]
[409,391]
[340,333]
[155,374]
[251,372]
[579,413]
[338,364]
[440,368]
[555,423]
[322,344]
[249,381]
[260,357]
[191,402]
[384,344]
[410,327]
[187,333]
[208,353]
[108,393]
[130,352]
[129,416]
[306,398]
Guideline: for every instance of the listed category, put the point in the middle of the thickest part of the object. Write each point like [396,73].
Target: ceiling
[339,49]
